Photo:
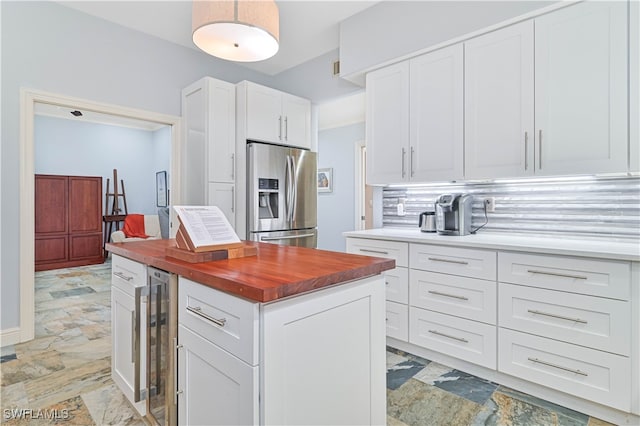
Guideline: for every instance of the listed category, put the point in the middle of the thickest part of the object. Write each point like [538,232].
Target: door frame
[28,99]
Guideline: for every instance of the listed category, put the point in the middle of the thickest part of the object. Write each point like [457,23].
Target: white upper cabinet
[387,124]
[436,115]
[278,117]
[415,119]
[581,89]
[499,103]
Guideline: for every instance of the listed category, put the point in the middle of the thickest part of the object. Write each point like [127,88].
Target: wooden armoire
[68,221]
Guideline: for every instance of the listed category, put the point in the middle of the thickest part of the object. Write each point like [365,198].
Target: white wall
[336,210]
[391,29]
[97,149]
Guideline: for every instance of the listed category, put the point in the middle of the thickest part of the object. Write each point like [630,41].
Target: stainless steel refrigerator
[281,195]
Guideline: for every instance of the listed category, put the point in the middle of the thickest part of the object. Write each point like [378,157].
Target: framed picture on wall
[325,180]
[162,193]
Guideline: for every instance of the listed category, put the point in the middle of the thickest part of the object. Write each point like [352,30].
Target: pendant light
[237,30]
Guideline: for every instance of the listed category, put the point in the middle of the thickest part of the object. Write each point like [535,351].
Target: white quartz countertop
[571,246]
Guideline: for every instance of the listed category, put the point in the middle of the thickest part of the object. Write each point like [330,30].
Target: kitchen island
[290,336]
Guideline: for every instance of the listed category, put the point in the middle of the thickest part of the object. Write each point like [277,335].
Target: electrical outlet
[490,204]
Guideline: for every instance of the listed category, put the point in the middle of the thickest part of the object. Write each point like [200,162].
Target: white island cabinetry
[241,362]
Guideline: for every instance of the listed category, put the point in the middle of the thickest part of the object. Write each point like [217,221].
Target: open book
[204,228]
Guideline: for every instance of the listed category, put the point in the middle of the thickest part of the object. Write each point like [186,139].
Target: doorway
[28,100]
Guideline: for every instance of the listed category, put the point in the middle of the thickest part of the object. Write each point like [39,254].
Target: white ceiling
[308,28]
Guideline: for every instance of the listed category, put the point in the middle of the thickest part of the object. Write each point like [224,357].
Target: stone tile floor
[65,372]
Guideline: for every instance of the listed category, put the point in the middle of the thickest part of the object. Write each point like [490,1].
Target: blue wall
[67,147]
[336,210]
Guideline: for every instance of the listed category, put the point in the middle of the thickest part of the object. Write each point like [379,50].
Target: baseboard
[10,336]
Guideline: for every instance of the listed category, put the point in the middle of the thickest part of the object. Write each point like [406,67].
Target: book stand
[187,252]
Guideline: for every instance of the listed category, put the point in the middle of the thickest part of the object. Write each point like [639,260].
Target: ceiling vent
[336,68]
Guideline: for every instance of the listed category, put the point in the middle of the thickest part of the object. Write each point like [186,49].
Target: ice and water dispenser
[268,198]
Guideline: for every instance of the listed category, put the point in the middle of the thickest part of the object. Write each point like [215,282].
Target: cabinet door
[264,114]
[334,339]
[297,121]
[581,89]
[223,196]
[221,131]
[436,105]
[499,103]
[215,387]
[194,151]
[387,124]
[122,350]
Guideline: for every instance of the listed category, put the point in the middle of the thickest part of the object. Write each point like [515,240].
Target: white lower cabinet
[587,373]
[126,361]
[216,388]
[554,326]
[397,318]
[302,360]
[471,341]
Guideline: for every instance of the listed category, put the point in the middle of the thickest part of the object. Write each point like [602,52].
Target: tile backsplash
[594,206]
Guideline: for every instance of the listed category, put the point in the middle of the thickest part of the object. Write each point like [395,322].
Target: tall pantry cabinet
[68,221]
[209,169]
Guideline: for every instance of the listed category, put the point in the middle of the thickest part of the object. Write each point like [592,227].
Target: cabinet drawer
[453,260]
[468,340]
[380,248]
[398,321]
[397,284]
[126,274]
[584,320]
[227,321]
[606,278]
[587,373]
[463,297]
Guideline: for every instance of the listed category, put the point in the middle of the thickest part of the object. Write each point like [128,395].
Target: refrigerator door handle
[290,202]
[287,190]
[294,192]
[286,237]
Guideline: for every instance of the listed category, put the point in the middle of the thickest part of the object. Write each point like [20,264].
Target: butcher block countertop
[276,272]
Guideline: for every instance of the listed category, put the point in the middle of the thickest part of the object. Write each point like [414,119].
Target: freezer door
[304,200]
[268,167]
[300,238]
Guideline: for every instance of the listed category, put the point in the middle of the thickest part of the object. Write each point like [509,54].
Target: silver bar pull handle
[404,154]
[176,353]
[280,127]
[459,339]
[286,128]
[412,171]
[198,311]
[526,150]
[535,312]
[448,295]
[233,166]
[458,262]
[540,149]
[374,251]
[556,274]
[123,276]
[286,237]
[571,370]
[136,345]
[233,199]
